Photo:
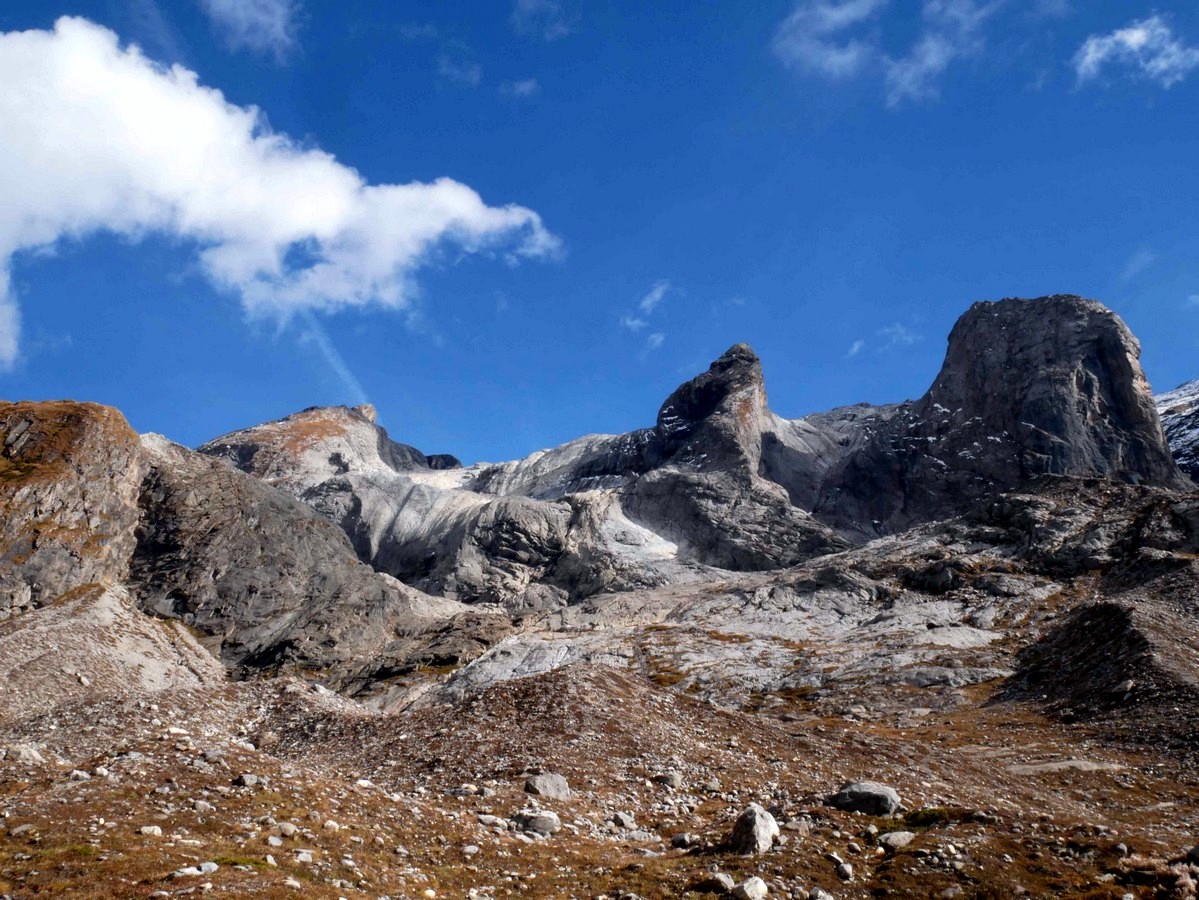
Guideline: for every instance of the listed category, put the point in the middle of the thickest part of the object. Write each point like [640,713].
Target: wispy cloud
[843,39]
[897,336]
[133,149]
[655,296]
[268,27]
[952,31]
[1192,301]
[822,37]
[1141,259]
[525,87]
[655,340]
[855,348]
[456,69]
[632,323]
[315,334]
[1147,47]
[548,20]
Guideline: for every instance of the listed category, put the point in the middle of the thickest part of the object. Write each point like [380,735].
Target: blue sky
[507,224]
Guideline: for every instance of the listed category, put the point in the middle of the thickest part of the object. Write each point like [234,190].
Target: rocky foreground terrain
[944,648]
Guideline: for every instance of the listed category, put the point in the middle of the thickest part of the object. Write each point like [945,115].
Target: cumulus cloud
[99,138]
[1148,47]
[261,26]
[545,19]
[814,37]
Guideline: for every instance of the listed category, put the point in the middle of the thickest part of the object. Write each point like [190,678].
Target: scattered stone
[624,820]
[845,872]
[751,889]
[868,797]
[896,840]
[548,785]
[755,831]
[287,829]
[669,779]
[151,830]
[716,883]
[684,841]
[245,779]
[80,775]
[538,821]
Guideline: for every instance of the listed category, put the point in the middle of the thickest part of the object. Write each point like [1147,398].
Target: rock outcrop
[69,479]
[1029,387]
[272,583]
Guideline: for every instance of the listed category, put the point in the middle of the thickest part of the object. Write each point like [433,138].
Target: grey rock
[751,889]
[537,821]
[755,831]
[550,785]
[867,797]
[624,820]
[1051,386]
[287,593]
[717,883]
[895,840]
[69,475]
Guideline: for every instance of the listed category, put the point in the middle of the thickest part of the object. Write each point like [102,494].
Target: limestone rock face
[271,582]
[69,476]
[1029,387]
[704,491]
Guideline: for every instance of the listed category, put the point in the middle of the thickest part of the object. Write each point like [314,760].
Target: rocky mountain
[939,648]
[1179,411]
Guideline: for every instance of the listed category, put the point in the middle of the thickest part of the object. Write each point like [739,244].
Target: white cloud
[99,138]
[897,336]
[952,31]
[461,72]
[262,26]
[545,19]
[632,323]
[1193,301]
[813,38]
[526,87]
[651,300]
[1141,260]
[655,340]
[1149,47]
[841,39]
[855,348]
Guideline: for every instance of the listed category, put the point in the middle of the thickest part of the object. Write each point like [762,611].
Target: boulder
[867,797]
[755,831]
